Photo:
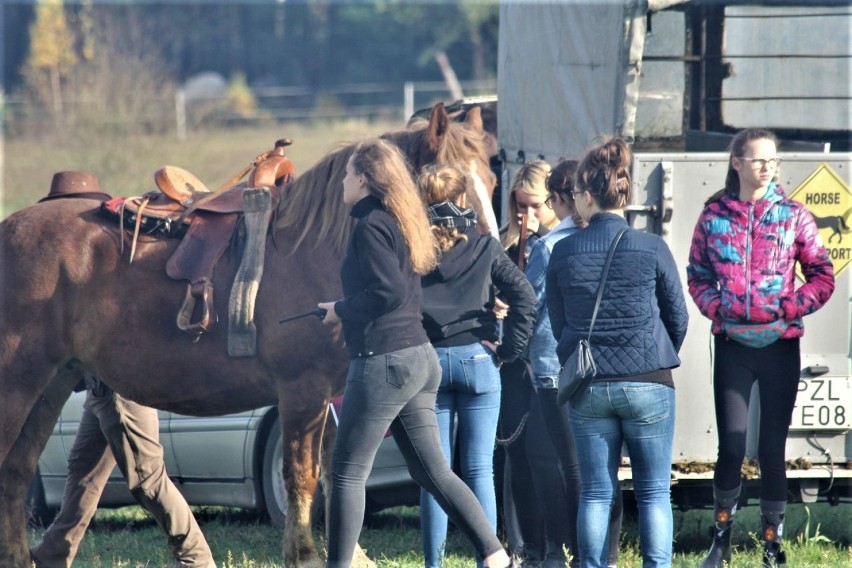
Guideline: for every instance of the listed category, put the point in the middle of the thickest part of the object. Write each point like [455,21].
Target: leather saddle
[182,207]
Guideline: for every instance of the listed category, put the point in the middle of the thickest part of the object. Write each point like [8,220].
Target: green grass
[125,165]
[127,538]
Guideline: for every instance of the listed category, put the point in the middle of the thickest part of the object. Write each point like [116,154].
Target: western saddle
[182,207]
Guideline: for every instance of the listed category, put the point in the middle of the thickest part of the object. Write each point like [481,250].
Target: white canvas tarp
[567,73]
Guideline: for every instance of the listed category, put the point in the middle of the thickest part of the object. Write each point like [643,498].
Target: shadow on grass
[134,518]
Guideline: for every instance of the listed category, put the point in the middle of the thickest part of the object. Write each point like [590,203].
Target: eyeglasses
[549,201]
[574,194]
[760,163]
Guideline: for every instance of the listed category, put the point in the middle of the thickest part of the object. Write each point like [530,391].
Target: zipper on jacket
[748,260]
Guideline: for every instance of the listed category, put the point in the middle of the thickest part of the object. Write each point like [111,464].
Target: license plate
[823,403]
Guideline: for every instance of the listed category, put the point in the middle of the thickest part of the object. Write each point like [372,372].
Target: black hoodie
[458,297]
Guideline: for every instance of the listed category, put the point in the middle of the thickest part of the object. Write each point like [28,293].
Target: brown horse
[71,301]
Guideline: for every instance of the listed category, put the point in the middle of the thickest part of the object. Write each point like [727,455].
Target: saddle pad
[151,223]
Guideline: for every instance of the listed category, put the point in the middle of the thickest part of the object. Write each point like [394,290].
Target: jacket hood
[459,258]
[773,194]
[737,209]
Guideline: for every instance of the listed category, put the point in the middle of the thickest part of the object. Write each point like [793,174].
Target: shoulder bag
[579,370]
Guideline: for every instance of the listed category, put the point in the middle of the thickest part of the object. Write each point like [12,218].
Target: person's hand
[501,308]
[331,317]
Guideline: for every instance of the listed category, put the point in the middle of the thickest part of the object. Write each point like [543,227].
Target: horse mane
[312,203]
[461,143]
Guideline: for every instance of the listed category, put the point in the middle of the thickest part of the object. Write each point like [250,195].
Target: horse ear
[439,122]
[474,118]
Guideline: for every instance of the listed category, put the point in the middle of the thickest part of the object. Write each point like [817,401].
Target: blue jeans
[469,398]
[395,390]
[642,416]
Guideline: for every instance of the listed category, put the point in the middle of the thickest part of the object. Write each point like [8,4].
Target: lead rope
[516,434]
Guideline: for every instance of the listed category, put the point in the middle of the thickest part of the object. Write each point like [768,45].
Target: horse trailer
[677,79]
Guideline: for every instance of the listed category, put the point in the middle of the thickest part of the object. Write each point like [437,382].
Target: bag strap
[604,274]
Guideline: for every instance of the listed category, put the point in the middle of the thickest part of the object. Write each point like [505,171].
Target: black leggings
[776,370]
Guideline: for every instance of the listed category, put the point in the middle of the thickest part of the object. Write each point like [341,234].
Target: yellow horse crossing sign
[829,199]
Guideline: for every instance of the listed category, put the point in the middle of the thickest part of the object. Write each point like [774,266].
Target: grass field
[125,166]
[127,538]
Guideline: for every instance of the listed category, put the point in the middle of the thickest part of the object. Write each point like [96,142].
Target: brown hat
[75,184]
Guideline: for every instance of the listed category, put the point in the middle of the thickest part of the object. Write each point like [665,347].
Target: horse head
[443,140]
[312,204]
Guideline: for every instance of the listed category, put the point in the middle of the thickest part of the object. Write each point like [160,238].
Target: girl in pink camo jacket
[741,274]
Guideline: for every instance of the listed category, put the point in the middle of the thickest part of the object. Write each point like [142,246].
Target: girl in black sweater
[393,373]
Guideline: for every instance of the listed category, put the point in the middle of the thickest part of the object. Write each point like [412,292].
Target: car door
[211,448]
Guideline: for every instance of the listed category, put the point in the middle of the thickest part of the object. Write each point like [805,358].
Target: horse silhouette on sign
[837,223]
[71,302]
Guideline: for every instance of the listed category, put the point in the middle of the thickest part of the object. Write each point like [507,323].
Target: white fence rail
[183,113]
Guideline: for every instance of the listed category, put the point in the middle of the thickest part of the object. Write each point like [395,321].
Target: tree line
[118,51]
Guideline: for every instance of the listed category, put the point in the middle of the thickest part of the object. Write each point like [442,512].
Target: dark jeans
[558,503]
[776,370]
[395,390]
[514,409]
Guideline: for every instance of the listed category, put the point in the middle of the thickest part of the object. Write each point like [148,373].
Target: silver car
[233,460]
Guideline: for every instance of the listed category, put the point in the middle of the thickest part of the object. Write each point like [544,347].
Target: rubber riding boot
[724,509]
[772,519]
[720,551]
[773,555]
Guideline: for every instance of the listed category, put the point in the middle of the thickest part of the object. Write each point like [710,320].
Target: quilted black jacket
[642,320]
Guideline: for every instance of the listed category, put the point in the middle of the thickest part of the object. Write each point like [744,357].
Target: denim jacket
[542,347]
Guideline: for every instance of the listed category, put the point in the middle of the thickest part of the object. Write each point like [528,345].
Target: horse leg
[21,382]
[19,467]
[328,438]
[301,434]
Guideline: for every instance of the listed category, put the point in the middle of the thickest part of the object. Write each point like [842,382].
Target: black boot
[773,555]
[554,555]
[720,551]
[529,556]
[772,520]
[719,554]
